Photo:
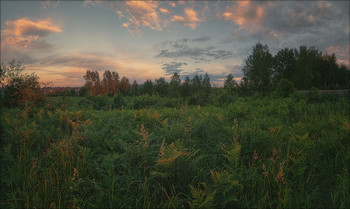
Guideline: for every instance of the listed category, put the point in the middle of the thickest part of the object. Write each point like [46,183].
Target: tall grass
[254,152]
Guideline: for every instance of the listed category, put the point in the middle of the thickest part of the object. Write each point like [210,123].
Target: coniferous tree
[229,84]
[161,87]
[186,88]
[174,86]
[148,87]
[135,88]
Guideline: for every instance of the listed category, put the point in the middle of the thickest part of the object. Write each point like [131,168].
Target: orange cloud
[143,13]
[245,14]
[190,18]
[164,10]
[24,32]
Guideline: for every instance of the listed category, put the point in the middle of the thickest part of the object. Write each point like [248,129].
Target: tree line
[300,69]
[288,70]
[198,88]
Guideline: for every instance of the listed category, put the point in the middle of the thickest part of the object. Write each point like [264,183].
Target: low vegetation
[252,152]
[192,146]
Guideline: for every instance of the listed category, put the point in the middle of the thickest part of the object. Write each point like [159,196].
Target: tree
[124,86]
[258,68]
[284,64]
[148,87]
[229,84]
[206,84]
[93,83]
[135,88]
[161,87]
[308,65]
[107,83]
[186,88]
[17,87]
[174,87]
[10,71]
[115,82]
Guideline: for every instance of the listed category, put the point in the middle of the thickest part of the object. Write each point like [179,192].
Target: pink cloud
[190,18]
[25,33]
[342,53]
[248,16]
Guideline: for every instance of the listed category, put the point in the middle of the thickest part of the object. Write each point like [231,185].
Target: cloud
[173,67]
[182,49]
[59,69]
[189,19]
[25,33]
[235,70]
[164,10]
[342,52]
[143,14]
[88,61]
[289,24]
[47,4]
[201,39]
[245,14]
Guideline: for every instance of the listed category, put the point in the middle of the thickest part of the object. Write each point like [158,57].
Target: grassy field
[258,152]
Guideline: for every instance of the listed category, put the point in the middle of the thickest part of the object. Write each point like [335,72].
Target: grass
[253,152]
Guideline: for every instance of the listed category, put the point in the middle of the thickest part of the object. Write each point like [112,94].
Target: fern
[202,197]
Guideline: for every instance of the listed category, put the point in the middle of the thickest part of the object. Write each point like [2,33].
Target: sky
[60,40]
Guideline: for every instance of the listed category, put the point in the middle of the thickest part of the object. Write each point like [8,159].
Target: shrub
[118,101]
[145,101]
[313,95]
[99,101]
[85,103]
[284,88]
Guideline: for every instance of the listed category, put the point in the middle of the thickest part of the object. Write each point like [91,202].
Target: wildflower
[265,173]
[162,148]
[255,155]
[274,152]
[274,156]
[235,122]
[144,134]
[71,188]
[34,164]
[223,145]
[280,175]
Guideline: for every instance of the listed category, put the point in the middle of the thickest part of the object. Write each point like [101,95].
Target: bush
[118,101]
[145,101]
[85,103]
[284,88]
[313,95]
[99,102]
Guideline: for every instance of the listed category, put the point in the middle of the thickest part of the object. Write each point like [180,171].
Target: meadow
[152,152]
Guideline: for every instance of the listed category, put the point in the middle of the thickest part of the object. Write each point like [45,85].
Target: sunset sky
[60,40]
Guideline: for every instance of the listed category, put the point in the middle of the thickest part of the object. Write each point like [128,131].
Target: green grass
[253,152]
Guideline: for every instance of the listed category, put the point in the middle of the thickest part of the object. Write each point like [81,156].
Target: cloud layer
[182,49]
[173,67]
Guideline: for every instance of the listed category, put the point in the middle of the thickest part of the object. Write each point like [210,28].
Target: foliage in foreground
[250,152]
